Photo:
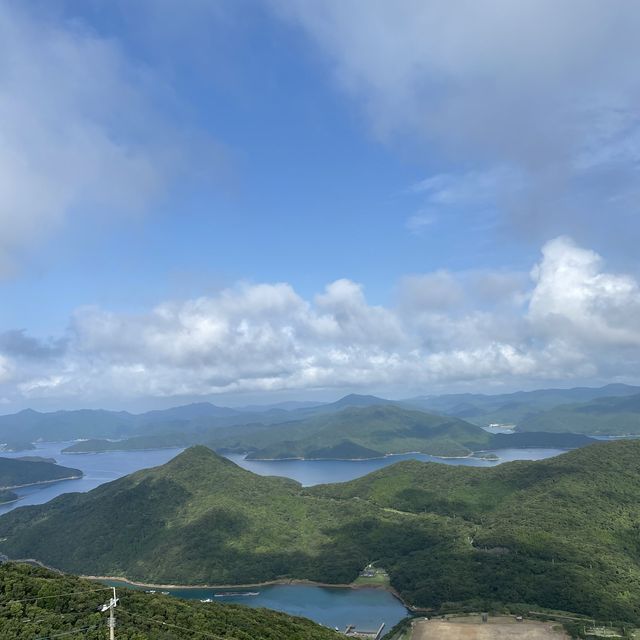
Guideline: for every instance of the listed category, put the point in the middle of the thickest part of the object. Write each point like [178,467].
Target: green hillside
[139,443]
[360,432]
[602,416]
[198,519]
[140,616]
[513,408]
[560,533]
[17,473]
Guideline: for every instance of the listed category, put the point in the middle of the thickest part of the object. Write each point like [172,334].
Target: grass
[380,578]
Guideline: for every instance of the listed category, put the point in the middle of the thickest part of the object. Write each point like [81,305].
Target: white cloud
[80,129]
[574,299]
[571,320]
[539,91]
[5,369]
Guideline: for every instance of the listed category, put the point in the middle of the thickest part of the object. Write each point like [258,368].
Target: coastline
[380,457]
[33,484]
[268,583]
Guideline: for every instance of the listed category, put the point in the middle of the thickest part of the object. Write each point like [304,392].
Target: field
[472,628]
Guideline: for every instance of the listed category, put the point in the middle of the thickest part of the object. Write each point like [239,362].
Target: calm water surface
[99,468]
[332,607]
[310,472]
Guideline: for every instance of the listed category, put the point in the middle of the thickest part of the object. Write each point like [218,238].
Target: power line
[59,595]
[175,626]
[67,633]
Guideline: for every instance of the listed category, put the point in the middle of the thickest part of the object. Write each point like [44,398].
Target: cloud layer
[534,103]
[81,132]
[568,319]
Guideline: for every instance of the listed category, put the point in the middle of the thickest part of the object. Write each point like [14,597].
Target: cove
[364,607]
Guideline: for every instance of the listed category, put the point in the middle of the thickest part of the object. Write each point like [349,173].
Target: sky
[263,200]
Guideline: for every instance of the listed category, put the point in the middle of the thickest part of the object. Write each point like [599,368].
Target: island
[15,473]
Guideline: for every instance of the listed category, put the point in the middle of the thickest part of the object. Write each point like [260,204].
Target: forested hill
[30,609]
[561,533]
[17,473]
[606,416]
[359,432]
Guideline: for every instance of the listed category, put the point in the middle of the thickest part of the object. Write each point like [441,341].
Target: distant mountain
[602,416]
[290,405]
[354,433]
[198,422]
[139,615]
[372,430]
[187,412]
[29,425]
[16,473]
[513,408]
[560,533]
[354,400]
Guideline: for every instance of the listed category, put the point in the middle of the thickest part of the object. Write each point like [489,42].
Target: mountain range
[609,410]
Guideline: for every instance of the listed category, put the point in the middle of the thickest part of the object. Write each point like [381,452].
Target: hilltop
[139,615]
[198,519]
[559,533]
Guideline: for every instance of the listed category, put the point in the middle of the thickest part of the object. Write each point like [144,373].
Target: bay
[312,472]
[367,608]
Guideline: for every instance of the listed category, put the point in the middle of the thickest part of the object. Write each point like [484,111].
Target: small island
[16,473]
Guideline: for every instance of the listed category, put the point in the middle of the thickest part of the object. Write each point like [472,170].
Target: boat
[207,600]
[234,594]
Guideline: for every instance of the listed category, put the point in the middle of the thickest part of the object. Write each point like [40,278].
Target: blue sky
[450,177]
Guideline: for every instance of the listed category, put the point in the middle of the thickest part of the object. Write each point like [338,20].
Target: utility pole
[111,606]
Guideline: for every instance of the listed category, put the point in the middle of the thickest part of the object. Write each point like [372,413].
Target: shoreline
[380,457]
[267,583]
[33,484]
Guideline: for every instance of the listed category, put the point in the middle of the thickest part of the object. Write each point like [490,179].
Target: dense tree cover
[513,408]
[138,443]
[140,616]
[562,533]
[17,473]
[607,416]
[539,439]
[346,433]
[194,419]
[376,429]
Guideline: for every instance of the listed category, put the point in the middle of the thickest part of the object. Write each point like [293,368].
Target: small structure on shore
[352,632]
